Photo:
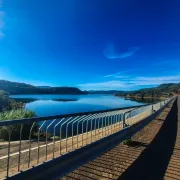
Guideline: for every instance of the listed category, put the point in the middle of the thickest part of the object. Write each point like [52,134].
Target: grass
[14,130]
[16,114]
[127,141]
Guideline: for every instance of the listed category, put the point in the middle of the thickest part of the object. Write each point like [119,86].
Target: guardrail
[51,137]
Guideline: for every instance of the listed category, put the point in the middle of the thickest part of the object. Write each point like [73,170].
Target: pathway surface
[154,153]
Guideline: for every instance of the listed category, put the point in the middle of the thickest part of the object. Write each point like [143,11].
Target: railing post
[124,119]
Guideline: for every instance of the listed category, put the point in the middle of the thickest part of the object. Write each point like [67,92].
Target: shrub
[127,141]
[15,129]
[4,100]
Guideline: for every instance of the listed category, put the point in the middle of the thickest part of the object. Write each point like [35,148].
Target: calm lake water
[47,105]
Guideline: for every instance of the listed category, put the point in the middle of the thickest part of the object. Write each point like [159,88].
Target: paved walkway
[153,154]
[173,169]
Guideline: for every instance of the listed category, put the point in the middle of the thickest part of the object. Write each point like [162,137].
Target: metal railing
[33,141]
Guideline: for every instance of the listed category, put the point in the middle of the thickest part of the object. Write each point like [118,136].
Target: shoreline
[136,97]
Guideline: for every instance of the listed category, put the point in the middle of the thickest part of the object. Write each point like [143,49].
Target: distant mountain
[43,86]
[22,88]
[105,92]
[163,90]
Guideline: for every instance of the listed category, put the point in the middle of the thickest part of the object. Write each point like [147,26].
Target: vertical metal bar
[119,122]
[98,125]
[54,136]
[124,118]
[108,124]
[73,119]
[66,135]
[111,123]
[86,119]
[82,131]
[77,128]
[19,158]
[87,128]
[77,120]
[105,127]
[9,147]
[91,130]
[30,133]
[39,139]
[61,133]
[102,126]
[47,135]
[72,134]
[95,126]
[86,131]
[77,135]
[77,140]
[83,120]
[116,123]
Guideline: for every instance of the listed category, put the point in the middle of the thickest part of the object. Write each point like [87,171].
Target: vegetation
[4,100]
[127,142]
[161,91]
[8,104]
[10,110]
[15,129]
[22,88]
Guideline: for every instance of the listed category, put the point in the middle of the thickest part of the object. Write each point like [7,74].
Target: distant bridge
[63,143]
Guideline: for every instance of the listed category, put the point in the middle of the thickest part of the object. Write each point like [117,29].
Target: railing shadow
[153,161]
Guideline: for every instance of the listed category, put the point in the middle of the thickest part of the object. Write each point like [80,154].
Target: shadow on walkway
[153,161]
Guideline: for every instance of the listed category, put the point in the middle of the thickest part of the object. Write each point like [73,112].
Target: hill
[161,91]
[22,88]
[105,92]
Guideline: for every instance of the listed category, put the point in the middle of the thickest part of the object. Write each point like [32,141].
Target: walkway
[154,153]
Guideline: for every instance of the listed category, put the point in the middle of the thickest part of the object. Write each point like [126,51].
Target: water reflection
[46,105]
[49,105]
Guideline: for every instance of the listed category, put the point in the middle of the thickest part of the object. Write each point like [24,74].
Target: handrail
[94,126]
[37,119]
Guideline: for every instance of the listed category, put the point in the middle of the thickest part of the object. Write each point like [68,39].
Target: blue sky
[90,44]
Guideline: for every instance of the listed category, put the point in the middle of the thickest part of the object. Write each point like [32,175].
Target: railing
[33,141]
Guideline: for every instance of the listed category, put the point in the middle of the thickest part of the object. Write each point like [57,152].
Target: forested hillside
[163,90]
[22,88]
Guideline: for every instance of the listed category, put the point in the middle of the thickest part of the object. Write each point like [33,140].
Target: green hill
[161,91]
[22,88]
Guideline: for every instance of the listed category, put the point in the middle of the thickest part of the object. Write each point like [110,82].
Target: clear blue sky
[90,44]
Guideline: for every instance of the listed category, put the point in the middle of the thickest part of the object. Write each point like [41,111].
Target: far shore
[137,97]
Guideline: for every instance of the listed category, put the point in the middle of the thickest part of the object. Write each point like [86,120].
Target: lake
[47,105]
[50,105]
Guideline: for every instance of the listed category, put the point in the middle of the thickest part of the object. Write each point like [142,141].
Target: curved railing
[54,136]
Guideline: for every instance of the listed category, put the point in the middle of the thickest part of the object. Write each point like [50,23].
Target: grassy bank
[15,129]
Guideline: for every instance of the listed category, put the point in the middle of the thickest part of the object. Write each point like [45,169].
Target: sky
[90,44]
